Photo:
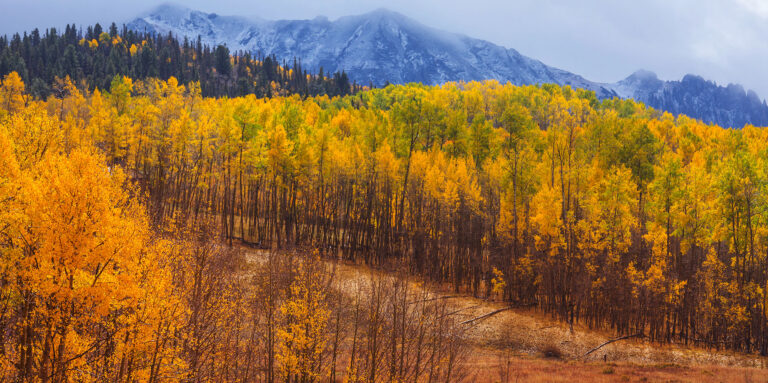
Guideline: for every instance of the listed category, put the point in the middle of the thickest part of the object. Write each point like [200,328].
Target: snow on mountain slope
[384,46]
[378,47]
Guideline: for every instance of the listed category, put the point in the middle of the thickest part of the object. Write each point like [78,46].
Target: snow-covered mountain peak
[384,13]
[379,46]
[169,10]
[643,75]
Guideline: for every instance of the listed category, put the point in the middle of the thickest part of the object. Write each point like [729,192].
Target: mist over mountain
[382,47]
[377,47]
[729,106]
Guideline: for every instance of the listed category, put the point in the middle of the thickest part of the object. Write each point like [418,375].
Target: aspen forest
[130,216]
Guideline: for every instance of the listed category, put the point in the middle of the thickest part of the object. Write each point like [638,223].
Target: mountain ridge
[378,34]
[384,46]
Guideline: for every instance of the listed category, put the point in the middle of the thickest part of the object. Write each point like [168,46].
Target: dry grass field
[524,345]
[487,366]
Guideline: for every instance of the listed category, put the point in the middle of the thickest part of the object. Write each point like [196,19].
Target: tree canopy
[605,213]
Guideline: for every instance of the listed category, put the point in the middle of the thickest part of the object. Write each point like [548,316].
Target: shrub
[552,351]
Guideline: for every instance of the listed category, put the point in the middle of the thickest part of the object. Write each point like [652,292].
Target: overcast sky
[603,40]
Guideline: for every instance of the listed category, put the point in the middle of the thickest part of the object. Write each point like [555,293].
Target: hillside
[124,211]
[91,59]
[521,344]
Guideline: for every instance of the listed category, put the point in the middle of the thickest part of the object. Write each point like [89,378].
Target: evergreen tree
[92,58]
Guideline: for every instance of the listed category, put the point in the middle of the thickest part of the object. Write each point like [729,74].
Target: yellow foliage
[12,97]
[601,210]
[302,341]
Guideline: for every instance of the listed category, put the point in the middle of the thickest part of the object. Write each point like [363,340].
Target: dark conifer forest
[93,57]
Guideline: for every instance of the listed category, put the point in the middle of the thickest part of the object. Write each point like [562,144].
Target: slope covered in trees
[91,58]
[93,289]
[606,213]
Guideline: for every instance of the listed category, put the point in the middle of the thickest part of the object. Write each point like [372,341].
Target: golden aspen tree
[303,338]
[80,254]
[12,97]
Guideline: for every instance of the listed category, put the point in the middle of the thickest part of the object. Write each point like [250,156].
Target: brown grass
[525,345]
[529,369]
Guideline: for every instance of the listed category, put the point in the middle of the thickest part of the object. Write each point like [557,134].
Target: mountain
[386,47]
[729,106]
[378,47]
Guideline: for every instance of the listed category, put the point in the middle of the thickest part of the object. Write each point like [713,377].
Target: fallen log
[611,341]
[435,299]
[490,314]
[458,311]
